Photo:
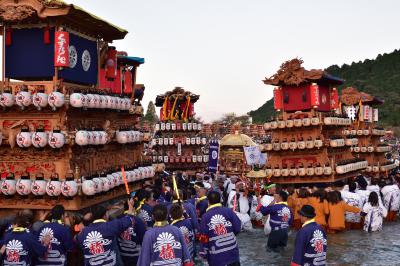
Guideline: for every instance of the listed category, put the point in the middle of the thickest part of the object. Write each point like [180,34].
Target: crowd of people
[196,220]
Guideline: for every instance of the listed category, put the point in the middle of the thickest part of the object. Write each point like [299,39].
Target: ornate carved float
[308,144]
[178,142]
[69,109]
[362,109]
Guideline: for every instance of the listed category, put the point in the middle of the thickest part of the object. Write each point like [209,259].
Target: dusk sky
[222,49]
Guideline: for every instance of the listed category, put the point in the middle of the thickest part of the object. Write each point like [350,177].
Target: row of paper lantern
[39,187]
[301,171]
[97,101]
[314,121]
[359,132]
[383,168]
[342,169]
[92,186]
[56,139]
[129,136]
[168,126]
[181,159]
[309,144]
[24,98]
[176,140]
[338,121]
[40,139]
[69,188]
[371,149]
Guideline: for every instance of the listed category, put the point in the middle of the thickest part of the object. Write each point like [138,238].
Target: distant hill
[379,77]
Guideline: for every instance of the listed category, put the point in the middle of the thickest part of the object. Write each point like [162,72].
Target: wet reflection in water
[348,248]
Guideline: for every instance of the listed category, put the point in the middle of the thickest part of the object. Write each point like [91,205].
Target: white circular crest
[73,56]
[214,155]
[86,60]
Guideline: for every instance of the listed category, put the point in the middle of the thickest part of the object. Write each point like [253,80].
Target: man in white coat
[239,203]
[391,200]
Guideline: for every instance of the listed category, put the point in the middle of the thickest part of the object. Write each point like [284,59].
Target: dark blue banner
[213,156]
[30,58]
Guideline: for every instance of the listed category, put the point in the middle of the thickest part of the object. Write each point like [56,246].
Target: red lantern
[278,97]
[314,93]
[61,46]
[46,35]
[334,99]
[127,82]
[111,63]
[8,36]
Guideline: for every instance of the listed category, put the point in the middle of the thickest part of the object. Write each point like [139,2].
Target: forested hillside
[379,77]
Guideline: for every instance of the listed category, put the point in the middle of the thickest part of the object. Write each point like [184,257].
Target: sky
[223,49]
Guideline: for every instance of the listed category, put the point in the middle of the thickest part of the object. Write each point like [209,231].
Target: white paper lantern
[102,102]
[122,137]
[9,186]
[39,139]
[69,187]
[98,184]
[24,138]
[24,186]
[88,187]
[77,100]
[90,101]
[106,184]
[96,101]
[38,187]
[7,99]
[108,101]
[82,138]
[53,188]
[23,98]
[56,139]
[189,126]
[56,99]
[40,100]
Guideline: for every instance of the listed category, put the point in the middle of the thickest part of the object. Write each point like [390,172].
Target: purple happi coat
[21,247]
[130,242]
[164,245]
[310,246]
[186,227]
[97,240]
[218,229]
[61,242]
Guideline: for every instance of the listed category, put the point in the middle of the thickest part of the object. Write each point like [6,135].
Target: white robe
[242,208]
[391,197]
[374,218]
[353,199]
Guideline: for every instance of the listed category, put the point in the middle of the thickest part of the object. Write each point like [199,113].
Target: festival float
[232,160]
[307,144]
[365,136]
[69,109]
[178,141]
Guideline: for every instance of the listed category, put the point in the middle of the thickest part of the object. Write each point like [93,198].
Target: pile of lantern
[39,186]
[172,158]
[129,136]
[378,132]
[84,137]
[351,165]
[299,170]
[293,144]
[108,181]
[178,126]
[24,98]
[99,101]
[39,139]
[165,141]
[337,121]
[354,132]
[300,122]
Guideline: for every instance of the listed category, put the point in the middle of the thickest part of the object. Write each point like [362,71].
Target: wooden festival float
[365,131]
[308,144]
[178,142]
[232,159]
[69,113]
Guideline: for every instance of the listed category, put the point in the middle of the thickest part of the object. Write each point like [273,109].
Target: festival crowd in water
[195,221]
